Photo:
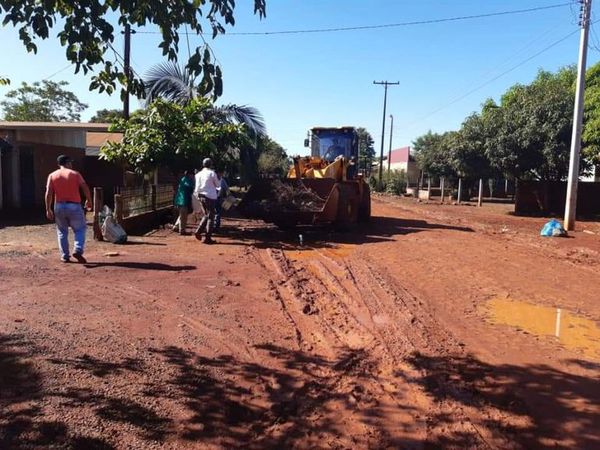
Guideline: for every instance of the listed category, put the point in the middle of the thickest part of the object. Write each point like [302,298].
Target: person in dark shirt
[183,201]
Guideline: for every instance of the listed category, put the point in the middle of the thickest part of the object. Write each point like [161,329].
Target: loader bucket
[260,203]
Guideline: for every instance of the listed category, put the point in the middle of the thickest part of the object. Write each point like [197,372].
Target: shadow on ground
[561,408]
[23,422]
[378,230]
[294,401]
[140,266]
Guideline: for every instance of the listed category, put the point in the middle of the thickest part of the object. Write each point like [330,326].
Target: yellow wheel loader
[325,188]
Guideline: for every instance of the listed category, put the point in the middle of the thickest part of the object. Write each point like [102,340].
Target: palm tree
[171,82]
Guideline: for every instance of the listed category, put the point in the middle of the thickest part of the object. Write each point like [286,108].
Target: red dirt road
[377,339]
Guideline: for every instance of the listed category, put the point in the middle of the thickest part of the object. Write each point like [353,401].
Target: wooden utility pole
[571,202]
[98,202]
[390,150]
[385,84]
[127,69]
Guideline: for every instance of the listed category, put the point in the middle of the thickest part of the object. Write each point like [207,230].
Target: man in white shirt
[206,190]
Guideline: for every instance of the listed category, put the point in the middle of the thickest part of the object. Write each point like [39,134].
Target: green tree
[273,158]
[42,102]
[86,31]
[433,154]
[591,126]
[366,150]
[166,134]
[173,83]
[469,144]
[107,115]
[4,81]
[535,121]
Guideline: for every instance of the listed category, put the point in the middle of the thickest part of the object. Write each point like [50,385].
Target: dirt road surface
[418,331]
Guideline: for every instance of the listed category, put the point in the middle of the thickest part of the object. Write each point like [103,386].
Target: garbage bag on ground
[112,231]
[553,229]
[229,201]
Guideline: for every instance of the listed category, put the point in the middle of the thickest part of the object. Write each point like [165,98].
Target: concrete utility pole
[127,68]
[571,203]
[390,151]
[385,84]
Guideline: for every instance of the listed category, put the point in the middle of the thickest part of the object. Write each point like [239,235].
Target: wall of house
[72,138]
[548,198]
[411,169]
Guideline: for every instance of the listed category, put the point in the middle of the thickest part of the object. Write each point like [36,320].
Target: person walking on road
[183,201]
[222,195]
[62,189]
[207,186]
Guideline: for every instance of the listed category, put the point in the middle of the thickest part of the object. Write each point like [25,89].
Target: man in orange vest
[63,188]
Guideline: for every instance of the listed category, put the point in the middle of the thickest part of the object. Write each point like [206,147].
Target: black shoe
[65,259]
[209,241]
[79,257]
[198,235]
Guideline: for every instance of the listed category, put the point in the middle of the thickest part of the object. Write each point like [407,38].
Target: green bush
[393,182]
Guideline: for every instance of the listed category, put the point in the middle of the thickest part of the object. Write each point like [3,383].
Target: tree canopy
[591,128]
[178,137]
[534,134]
[44,101]
[273,158]
[433,153]
[526,136]
[86,32]
[107,115]
[366,149]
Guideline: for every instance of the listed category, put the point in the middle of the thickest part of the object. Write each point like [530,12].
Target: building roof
[54,126]
[93,139]
[400,155]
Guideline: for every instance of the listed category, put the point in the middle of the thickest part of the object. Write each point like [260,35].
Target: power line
[57,72]
[389,25]
[475,89]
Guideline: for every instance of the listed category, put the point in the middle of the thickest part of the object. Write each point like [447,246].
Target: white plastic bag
[228,202]
[112,231]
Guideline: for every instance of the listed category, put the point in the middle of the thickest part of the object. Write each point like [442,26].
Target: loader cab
[329,143]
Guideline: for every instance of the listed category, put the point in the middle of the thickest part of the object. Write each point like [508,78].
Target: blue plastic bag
[553,229]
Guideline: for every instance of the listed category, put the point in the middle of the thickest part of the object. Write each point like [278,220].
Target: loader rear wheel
[364,211]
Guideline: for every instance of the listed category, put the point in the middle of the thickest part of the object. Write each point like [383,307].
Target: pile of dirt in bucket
[287,197]
[295,197]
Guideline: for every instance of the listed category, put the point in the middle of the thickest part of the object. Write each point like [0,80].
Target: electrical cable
[57,72]
[482,85]
[389,25]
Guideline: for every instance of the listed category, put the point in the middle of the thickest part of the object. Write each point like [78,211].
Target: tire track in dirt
[398,326]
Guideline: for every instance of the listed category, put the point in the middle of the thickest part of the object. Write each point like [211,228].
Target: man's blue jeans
[70,215]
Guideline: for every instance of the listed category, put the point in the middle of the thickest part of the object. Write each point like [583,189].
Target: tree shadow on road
[23,424]
[286,398]
[556,408]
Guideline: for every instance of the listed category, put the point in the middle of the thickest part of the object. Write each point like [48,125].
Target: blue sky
[325,79]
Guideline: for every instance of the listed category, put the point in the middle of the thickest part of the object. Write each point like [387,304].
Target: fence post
[119,209]
[480,196]
[442,188]
[459,190]
[429,188]
[153,196]
[98,202]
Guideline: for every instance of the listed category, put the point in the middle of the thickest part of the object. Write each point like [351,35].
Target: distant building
[403,159]
[28,152]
